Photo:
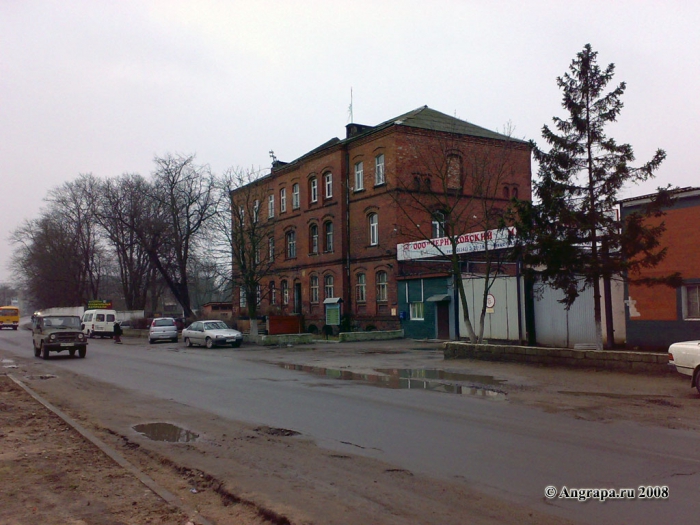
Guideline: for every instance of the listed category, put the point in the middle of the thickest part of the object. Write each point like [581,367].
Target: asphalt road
[505,450]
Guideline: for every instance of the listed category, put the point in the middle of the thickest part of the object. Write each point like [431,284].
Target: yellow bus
[9,317]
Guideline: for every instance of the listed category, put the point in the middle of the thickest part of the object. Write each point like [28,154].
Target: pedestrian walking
[117,333]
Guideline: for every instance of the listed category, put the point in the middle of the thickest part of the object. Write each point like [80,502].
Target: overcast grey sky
[102,87]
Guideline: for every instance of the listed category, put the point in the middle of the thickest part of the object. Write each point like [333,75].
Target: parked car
[162,328]
[210,334]
[684,357]
[56,333]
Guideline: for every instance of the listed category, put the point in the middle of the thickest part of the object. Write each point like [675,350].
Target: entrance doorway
[442,313]
[297,298]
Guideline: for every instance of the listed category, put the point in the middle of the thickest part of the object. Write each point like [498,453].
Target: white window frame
[313,189]
[283,200]
[328,236]
[256,211]
[242,299]
[690,295]
[379,173]
[314,237]
[291,241]
[361,288]
[313,289]
[359,176]
[295,196]
[373,219]
[437,229]
[285,291]
[271,248]
[417,309]
[382,287]
[271,206]
[328,286]
[328,184]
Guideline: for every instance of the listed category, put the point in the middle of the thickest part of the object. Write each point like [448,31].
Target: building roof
[420,118]
[688,191]
[430,119]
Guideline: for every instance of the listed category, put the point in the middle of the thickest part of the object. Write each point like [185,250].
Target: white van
[99,323]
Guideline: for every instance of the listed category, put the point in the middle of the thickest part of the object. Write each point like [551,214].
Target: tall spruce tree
[571,231]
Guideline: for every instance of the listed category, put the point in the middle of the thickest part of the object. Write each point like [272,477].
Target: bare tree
[119,212]
[251,242]
[47,262]
[457,187]
[180,201]
[74,205]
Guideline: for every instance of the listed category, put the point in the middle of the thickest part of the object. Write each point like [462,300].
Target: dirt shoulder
[236,473]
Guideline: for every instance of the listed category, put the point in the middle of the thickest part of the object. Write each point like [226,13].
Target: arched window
[328,288]
[328,230]
[515,193]
[379,176]
[438,225]
[273,293]
[381,286]
[271,248]
[506,192]
[313,238]
[361,288]
[313,189]
[328,184]
[291,239]
[271,205]
[313,288]
[283,200]
[359,176]
[295,196]
[373,219]
[285,292]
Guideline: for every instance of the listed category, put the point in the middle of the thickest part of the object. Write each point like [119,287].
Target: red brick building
[659,316]
[337,221]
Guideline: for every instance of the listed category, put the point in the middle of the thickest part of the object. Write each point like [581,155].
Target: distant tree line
[129,237]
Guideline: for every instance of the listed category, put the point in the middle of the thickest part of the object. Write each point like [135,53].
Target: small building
[220,310]
[659,316]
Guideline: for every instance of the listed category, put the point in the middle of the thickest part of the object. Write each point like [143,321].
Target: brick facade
[659,316]
[366,221]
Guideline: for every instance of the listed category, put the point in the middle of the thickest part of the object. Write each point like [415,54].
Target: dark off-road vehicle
[56,333]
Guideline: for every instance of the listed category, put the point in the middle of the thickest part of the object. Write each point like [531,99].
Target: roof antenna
[352,119]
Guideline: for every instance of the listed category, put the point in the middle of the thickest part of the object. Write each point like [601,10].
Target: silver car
[211,334]
[163,328]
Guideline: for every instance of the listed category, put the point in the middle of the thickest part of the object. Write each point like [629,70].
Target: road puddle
[166,432]
[434,380]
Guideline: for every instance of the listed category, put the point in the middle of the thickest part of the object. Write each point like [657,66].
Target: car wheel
[44,351]
[237,344]
[37,350]
[14,328]
[82,351]
[72,352]
[210,342]
[187,341]
[150,341]
[174,339]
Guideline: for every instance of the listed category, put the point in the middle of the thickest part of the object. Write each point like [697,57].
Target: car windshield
[62,322]
[215,325]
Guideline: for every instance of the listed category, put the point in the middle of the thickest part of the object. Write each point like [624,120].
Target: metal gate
[559,327]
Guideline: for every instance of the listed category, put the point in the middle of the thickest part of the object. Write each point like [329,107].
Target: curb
[164,494]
